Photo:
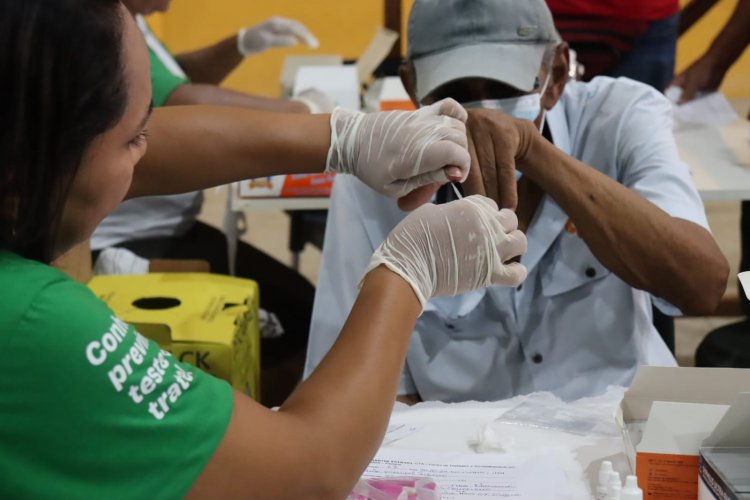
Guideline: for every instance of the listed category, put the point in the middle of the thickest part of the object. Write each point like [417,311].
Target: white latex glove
[315,100]
[395,152]
[275,32]
[454,248]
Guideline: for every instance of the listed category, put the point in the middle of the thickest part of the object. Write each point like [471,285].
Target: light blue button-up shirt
[573,327]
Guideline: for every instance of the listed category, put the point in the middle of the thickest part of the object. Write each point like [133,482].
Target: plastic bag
[398,488]
[585,417]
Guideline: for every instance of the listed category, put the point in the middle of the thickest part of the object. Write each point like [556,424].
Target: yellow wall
[345,27]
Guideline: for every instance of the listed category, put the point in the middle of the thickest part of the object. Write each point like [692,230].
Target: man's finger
[504,169]
[417,198]
[688,91]
[474,183]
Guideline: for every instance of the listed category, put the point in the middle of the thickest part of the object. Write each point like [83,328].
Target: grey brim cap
[515,64]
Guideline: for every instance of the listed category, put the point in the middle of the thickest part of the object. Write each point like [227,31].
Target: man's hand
[704,75]
[494,142]
[497,142]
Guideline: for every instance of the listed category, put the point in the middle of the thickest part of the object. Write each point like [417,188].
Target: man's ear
[560,67]
[409,80]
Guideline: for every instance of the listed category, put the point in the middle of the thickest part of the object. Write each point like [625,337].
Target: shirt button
[537,358]
[450,326]
[590,272]
[519,287]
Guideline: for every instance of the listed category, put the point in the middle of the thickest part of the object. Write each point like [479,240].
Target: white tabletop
[316,203]
[719,159]
[455,427]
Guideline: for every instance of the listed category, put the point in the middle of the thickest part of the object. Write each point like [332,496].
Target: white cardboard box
[668,413]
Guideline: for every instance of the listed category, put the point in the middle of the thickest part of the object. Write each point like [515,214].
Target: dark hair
[61,85]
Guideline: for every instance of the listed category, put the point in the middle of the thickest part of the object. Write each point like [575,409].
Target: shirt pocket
[569,266]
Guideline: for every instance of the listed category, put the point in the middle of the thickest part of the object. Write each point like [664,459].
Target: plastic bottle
[601,487]
[614,486]
[631,491]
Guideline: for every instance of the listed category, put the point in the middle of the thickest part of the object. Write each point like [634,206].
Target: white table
[454,428]
[719,159]
[312,203]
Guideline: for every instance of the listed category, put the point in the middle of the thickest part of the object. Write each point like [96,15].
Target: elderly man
[613,220]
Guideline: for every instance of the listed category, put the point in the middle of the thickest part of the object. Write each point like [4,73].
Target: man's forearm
[693,12]
[733,39]
[647,248]
[213,63]
[196,147]
[211,95]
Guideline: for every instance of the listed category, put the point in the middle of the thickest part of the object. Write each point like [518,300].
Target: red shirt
[643,10]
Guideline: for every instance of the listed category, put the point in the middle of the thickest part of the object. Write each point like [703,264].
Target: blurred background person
[729,345]
[632,38]
[166,227]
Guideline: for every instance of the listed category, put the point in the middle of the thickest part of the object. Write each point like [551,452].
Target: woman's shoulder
[35,293]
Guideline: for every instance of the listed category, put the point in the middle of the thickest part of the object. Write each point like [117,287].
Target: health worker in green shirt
[89,408]
[148,229]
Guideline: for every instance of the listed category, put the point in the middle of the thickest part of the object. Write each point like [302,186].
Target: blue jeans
[652,59]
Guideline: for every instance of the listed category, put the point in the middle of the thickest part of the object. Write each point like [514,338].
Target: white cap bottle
[601,487]
[631,491]
[614,486]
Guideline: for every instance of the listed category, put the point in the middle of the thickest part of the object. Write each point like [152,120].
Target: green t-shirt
[166,74]
[88,407]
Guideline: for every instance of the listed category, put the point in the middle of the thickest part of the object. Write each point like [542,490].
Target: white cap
[601,488]
[631,491]
[502,40]
[604,469]
[614,486]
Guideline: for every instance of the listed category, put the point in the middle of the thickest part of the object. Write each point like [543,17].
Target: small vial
[631,491]
[614,486]
[601,487]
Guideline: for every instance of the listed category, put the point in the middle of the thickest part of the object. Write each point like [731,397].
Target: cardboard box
[342,84]
[339,83]
[386,94]
[208,320]
[292,65]
[668,413]
[285,186]
[724,473]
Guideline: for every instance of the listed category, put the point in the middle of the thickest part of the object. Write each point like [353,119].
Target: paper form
[710,109]
[398,431]
[466,476]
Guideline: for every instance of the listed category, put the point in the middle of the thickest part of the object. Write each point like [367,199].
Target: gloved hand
[316,101]
[454,248]
[395,152]
[275,32]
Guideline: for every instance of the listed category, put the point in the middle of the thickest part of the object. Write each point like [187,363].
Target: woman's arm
[320,441]
[211,64]
[197,147]
[393,152]
[212,95]
[324,436]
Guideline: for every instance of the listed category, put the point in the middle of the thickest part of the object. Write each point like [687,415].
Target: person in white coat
[613,220]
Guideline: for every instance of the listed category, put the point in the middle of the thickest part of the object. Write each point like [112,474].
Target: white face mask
[525,107]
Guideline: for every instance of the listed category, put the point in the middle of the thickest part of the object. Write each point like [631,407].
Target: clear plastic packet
[395,488]
[594,417]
